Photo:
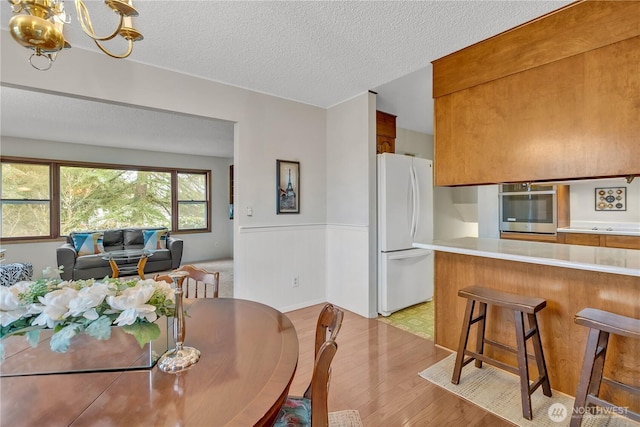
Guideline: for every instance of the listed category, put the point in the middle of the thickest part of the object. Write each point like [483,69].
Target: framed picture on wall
[287,187]
[611,199]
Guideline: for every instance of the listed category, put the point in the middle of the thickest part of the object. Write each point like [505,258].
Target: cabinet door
[624,242]
[385,144]
[385,124]
[549,238]
[573,118]
[582,239]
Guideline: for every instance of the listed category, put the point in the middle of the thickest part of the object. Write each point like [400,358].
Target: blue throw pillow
[88,243]
[155,239]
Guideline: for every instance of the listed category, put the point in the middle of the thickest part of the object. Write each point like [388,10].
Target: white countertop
[598,227]
[595,230]
[591,258]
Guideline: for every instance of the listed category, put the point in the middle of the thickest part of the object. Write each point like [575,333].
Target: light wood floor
[376,372]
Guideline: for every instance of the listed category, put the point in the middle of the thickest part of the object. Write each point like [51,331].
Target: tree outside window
[192,201]
[26,200]
[98,198]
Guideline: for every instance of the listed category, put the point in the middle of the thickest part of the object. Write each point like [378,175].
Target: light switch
[249,211]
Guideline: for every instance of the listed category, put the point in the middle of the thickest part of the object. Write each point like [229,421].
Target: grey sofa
[94,266]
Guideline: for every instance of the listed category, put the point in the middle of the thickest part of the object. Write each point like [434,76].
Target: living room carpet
[222,266]
[417,319]
[498,392]
[225,268]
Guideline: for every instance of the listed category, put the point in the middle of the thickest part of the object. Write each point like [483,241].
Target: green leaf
[100,328]
[33,337]
[61,340]
[143,331]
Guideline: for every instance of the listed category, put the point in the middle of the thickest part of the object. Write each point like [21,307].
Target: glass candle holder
[181,357]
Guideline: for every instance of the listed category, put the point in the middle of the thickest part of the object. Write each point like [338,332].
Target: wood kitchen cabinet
[556,98]
[583,239]
[607,240]
[385,132]
[548,238]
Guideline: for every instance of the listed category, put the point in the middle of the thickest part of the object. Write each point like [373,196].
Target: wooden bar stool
[601,324]
[520,305]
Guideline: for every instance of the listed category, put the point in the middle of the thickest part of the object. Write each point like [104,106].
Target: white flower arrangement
[90,306]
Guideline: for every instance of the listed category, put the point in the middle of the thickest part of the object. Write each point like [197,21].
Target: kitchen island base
[567,291]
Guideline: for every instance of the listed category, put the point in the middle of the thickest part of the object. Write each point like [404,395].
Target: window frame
[178,201]
[54,189]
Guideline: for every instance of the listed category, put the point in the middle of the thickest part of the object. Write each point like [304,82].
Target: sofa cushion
[160,255]
[88,243]
[91,261]
[133,238]
[155,239]
[113,240]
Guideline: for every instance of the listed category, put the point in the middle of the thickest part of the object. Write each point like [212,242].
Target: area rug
[498,392]
[417,319]
[346,418]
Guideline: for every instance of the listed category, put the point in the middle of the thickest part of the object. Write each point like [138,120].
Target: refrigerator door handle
[415,207]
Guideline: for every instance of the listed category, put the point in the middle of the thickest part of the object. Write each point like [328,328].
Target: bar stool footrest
[524,308]
[490,361]
[507,348]
[625,387]
[605,404]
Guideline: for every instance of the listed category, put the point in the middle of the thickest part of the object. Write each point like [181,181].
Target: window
[95,197]
[192,201]
[26,200]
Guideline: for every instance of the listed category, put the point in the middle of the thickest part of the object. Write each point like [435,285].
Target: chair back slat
[199,276]
[328,326]
[320,383]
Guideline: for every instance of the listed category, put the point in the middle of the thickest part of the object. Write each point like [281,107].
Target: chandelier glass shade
[38,25]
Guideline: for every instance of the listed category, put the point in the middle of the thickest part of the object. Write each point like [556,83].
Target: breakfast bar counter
[568,277]
[591,258]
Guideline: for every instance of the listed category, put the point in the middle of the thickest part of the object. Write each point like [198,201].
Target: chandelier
[38,25]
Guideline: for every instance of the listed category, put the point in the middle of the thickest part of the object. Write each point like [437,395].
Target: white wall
[267,128]
[488,212]
[451,206]
[583,201]
[351,205]
[197,247]
[279,254]
[416,143]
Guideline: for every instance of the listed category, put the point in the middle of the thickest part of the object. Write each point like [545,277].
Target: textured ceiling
[318,53]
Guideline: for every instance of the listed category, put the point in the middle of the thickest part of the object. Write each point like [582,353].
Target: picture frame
[287,187]
[611,199]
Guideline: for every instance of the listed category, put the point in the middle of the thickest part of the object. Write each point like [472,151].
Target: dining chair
[165,278]
[199,278]
[311,410]
[327,328]
[300,411]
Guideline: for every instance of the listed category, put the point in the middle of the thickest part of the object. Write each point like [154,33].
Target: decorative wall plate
[611,199]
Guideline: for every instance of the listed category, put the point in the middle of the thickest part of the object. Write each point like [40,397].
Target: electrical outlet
[294,281]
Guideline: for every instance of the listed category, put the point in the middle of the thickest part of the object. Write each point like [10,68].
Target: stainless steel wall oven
[528,208]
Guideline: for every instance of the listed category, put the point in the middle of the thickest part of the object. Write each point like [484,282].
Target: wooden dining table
[249,357]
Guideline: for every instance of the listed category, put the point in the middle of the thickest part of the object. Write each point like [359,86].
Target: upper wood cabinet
[556,98]
[385,132]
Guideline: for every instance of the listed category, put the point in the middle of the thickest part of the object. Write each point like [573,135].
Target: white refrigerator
[405,216]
